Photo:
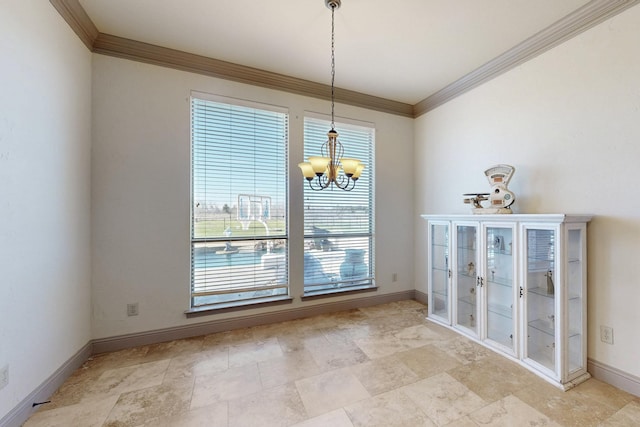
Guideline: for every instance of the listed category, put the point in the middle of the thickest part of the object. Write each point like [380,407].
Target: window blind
[338,225]
[239,228]
[540,249]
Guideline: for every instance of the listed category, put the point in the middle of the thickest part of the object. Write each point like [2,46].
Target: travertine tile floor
[378,366]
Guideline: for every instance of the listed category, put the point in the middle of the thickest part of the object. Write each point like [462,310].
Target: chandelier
[330,169]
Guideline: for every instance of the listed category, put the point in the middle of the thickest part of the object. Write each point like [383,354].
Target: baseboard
[122,342]
[421,297]
[615,377]
[18,415]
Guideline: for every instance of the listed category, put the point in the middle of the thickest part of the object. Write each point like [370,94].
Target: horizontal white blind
[338,225]
[540,249]
[239,241]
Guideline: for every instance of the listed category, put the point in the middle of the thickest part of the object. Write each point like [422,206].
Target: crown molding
[107,44]
[76,17]
[580,20]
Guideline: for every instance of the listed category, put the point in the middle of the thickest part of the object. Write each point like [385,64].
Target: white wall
[569,121]
[45,135]
[140,192]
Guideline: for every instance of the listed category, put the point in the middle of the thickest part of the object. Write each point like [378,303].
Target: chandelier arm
[352,187]
[350,182]
[339,150]
[324,182]
[318,186]
[310,181]
[337,154]
[324,149]
[345,182]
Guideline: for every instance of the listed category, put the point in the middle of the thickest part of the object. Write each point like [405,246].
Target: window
[338,225]
[239,230]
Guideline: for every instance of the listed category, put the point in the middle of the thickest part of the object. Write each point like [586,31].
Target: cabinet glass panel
[466,291]
[440,270]
[499,285]
[575,303]
[541,278]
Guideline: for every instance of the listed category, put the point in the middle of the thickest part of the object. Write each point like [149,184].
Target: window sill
[338,291]
[237,306]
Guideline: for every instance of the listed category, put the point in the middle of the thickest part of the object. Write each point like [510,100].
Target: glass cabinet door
[541,296]
[440,271]
[498,273]
[467,279]
[576,304]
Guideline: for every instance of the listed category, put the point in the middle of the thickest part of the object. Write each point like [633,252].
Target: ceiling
[404,50]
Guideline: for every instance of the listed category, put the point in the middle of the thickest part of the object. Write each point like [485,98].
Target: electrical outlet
[606,334]
[394,277]
[132,309]
[4,376]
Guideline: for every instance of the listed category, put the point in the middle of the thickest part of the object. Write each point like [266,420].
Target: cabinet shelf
[465,274]
[543,293]
[501,281]
[546,328]
[500,310]
[493,254]
[543,326]
[468,299]
[442,293]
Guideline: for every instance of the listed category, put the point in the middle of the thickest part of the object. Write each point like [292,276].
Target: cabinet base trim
[615,377]
[577,380]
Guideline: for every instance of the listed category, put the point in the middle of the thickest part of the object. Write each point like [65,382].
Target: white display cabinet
[515,283]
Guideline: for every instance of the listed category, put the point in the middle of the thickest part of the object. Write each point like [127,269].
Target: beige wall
[140,193]
[569,121]
[45,118]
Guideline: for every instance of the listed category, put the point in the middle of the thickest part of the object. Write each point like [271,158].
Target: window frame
[353,285]
[194,308]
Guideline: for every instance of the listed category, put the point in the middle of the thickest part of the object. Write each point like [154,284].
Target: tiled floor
[377,366]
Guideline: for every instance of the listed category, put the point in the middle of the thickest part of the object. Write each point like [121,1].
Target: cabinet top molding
[512,217]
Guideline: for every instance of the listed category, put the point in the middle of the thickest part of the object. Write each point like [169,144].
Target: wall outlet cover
[606,334]
[132,309]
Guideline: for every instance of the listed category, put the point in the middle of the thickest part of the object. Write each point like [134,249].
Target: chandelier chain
[330,170]
[333,63]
